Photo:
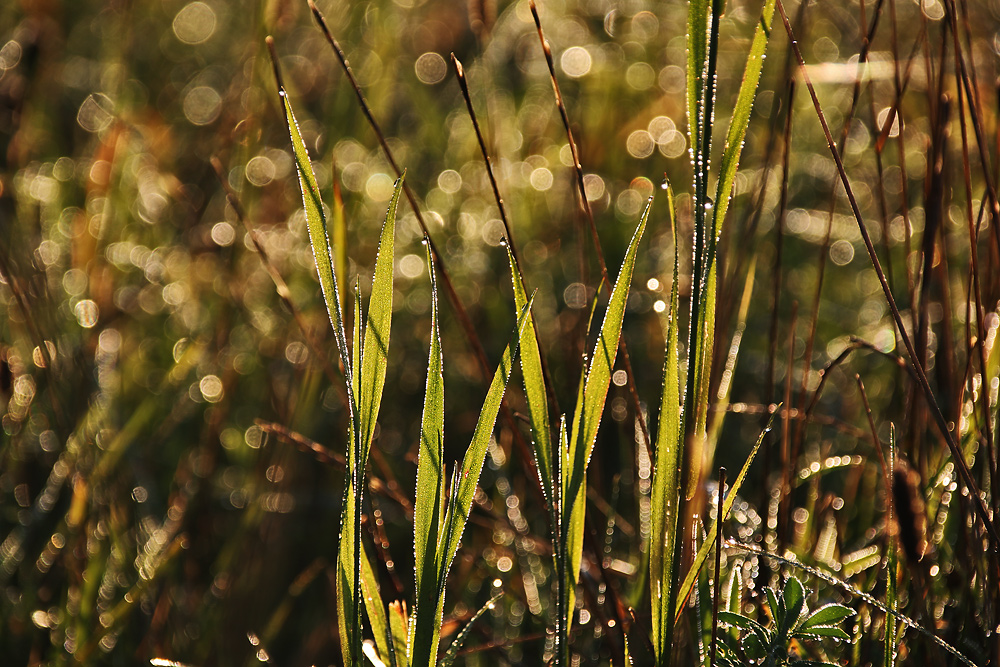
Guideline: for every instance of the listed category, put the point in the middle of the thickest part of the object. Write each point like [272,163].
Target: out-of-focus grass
[149,509]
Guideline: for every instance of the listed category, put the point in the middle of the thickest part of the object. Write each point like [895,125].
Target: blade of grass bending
[376,334]
[666,473]
[318,238]
[741,119]
[602,360]
[456,646]
[429,507]
[588,412]
[727,505]
[347,606]
[472,462]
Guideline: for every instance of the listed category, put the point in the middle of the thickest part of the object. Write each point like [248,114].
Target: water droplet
[709,204]
[423,241]
[664,185]
[503,243]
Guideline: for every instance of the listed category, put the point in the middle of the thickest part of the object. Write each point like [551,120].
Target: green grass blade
[463,484]
[348,567]
[741,118]
[571,520]
[449,657]
[534,391]
[565,590]
[347,598]
[338,233]
[472,463]
[697,59]
[595,392]
[694,448]
[351,550]
[375,609]
[725,386]
[376,347]
[602,360]
[429,507]
[592,394]
[666,473]
[730,162]
[318,238]
[727,505]
[398,627]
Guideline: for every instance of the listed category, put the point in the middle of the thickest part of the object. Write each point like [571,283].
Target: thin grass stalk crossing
[963,468]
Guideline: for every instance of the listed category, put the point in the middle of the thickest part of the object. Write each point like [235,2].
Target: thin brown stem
[589,214]
[463,84]
[449,287]
[965,473]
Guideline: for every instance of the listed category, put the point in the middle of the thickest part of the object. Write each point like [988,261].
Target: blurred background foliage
[153,382]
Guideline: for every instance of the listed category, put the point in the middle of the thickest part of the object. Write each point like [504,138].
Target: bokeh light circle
[194,23]
[430,68]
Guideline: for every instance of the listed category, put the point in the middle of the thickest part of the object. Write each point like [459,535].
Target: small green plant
[440,512]
[792,621]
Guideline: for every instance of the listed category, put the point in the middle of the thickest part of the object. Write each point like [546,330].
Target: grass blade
[349,556]
[318,238]
[425,625]
[587,417]
[697,59]
[398,626]
[534,390]
[741,119]
[463,489]
[456,646]
[376,334]
[605,350]
[666,473]
[727,505]
[351,551]
[375,610]
[472,463]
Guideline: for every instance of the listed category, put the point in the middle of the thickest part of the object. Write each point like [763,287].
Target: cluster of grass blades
[685,440]
[682,434]
[441,510]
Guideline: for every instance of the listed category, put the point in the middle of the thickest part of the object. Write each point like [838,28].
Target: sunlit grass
[210,453]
